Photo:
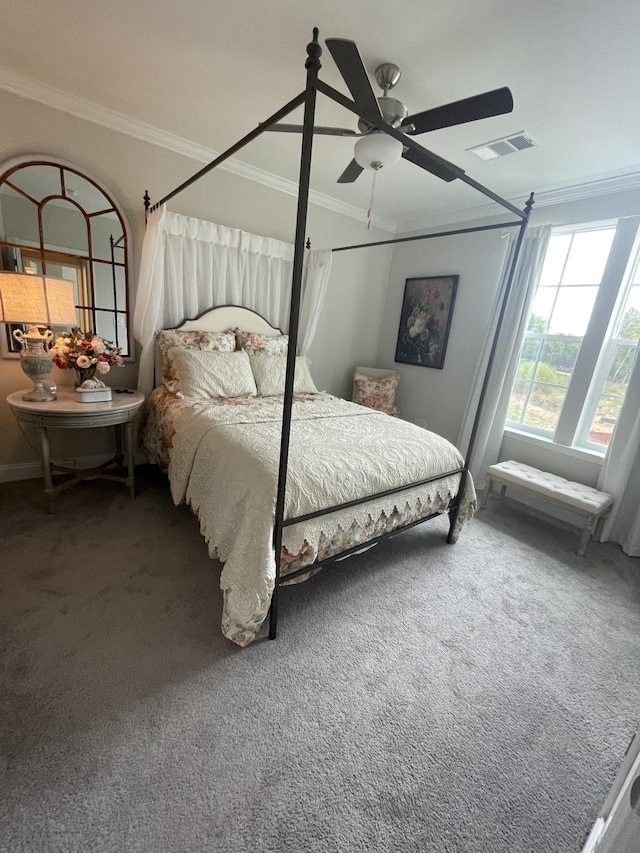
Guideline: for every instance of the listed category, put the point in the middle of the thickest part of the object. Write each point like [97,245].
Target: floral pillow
[261,344]
[169,339]
[376,392]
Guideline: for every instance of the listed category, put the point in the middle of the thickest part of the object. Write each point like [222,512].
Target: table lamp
[37,301]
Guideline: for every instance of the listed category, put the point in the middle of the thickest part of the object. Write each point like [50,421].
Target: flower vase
[35,360]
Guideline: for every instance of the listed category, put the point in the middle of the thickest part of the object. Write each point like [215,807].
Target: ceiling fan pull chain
[373,189]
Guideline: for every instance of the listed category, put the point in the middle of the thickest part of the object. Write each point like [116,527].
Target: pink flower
[82,350]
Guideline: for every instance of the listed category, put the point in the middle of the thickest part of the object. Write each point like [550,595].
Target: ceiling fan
[374,148]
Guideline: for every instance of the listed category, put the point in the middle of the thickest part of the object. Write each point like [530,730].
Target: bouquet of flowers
[420,338]
[85,353]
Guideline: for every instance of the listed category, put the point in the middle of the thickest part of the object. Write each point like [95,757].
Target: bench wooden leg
[503,489]
[485,493]
[597,533]
[589,523]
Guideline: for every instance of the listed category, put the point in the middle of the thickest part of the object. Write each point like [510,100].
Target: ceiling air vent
[501,147]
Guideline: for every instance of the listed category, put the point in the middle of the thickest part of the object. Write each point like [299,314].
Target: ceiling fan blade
[347,57]
[429,164]
[350,174]
[494,103]
[324,131]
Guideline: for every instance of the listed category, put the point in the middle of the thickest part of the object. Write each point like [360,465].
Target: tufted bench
[584,500]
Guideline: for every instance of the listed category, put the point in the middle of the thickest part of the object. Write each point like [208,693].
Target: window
[58,222]
[63,266]
[582,336]
[616,363]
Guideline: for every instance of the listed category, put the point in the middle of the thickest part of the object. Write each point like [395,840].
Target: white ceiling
[210,70]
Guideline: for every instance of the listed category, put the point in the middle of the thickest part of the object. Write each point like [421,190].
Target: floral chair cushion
[261,344]
[376,392]
[169,339]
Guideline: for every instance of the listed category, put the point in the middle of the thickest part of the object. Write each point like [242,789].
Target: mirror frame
[7,170]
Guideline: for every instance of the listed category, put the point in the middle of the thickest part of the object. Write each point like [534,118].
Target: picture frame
[9,346]
[425,320]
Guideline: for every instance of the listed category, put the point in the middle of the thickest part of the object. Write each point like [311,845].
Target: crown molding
[589,189]
[26,87]
[56,99]
[545,198]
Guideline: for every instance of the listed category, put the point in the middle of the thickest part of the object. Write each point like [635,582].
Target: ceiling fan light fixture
[377,150]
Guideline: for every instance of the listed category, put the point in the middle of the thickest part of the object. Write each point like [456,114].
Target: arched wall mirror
[56,221]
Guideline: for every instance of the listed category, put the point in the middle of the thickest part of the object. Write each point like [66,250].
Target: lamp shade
[36,299]
[377,150]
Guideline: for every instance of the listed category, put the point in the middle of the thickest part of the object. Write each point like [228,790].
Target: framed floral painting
[425,321]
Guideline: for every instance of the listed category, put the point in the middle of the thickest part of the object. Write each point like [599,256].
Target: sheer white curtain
[505,363]
[620,475]
[189,265]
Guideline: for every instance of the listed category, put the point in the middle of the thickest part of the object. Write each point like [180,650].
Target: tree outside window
[582,337]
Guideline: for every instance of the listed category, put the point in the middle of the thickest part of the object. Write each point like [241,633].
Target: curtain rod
[428,236]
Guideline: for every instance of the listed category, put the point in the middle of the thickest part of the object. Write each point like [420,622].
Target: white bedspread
[224,463]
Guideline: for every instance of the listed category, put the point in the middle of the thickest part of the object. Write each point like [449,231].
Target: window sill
[540,441]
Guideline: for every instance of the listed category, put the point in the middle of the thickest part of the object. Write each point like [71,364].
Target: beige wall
[349,328]
[438,398]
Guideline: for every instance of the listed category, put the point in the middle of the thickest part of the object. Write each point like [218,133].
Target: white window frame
[598,345]
[608,350]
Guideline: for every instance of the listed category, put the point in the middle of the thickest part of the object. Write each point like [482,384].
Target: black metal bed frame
[308,99]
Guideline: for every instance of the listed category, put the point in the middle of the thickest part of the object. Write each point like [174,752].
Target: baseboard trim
[33,470]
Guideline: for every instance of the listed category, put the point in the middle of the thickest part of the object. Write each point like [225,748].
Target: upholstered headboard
[221,319]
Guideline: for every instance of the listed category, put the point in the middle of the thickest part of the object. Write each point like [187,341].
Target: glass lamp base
[39,394]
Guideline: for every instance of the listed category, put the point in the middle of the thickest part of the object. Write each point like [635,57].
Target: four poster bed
[285,478]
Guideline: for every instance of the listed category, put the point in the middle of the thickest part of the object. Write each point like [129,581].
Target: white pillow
[213,374]
[270,372]
[168,339]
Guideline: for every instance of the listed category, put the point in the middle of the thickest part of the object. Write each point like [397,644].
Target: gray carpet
[420,697]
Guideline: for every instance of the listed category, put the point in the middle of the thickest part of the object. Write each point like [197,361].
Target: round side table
[67,413]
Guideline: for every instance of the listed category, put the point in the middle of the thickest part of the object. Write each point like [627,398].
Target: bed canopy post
[312,65]
[453,515]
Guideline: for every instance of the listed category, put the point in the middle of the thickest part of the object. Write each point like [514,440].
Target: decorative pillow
[270,374]
[169,339]
[263,344]
[212,374]
[376,392]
